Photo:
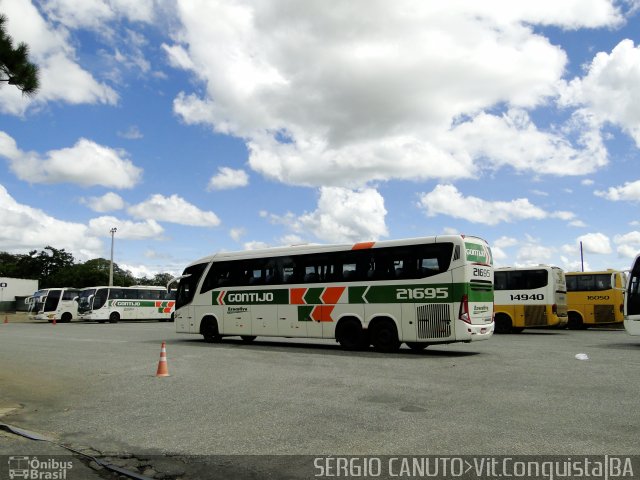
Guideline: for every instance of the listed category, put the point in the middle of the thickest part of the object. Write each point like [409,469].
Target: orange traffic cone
[54,321]
[6,319]
[163,371]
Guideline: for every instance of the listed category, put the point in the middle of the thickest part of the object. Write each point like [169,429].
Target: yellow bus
[528,297]
[593,300]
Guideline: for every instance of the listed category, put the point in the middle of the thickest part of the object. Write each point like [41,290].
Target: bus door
[51,301]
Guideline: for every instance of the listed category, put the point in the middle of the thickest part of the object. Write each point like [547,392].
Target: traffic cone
[6,319]
[163,371]
[54,321]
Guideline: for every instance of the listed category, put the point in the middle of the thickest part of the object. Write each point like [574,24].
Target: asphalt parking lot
[94,386]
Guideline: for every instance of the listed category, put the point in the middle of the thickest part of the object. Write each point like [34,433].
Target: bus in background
[421,291]
[632,300]
[140,302]
[59,304]
[528,297]
[592,299]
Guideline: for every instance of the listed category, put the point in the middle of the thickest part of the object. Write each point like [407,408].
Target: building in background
[14,291]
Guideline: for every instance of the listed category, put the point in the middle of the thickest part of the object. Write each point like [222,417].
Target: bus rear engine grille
[604,313]
[434,321]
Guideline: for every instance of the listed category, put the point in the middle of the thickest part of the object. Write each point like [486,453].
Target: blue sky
[199,126]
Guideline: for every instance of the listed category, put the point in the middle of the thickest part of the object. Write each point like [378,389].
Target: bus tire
[350,335]
[503,323]
[209,330]
[66,317]
[114,317]
[417,346]
[248,338]
[384,335]
[575,321]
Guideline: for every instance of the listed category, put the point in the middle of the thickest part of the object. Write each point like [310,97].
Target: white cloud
[597,243]
[173,209]
[342,216]
[106,203]
[610,88]
[587,182]
[25,228]
[255,245]
[447,200]
[628,244]
[505,242]
[228,178]
[381,103]
[95,14]
[62,79]
[513,141]
[101,227]
[533,253]
[237,233]
[133,133]
[86,164]
[630,191]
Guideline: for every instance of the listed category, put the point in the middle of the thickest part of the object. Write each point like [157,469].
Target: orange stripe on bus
[363,245]
[332,294]
[297,296]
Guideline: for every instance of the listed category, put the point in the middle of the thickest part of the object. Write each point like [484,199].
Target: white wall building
[10,288]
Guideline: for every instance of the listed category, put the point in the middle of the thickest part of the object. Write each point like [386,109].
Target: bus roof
[320,248]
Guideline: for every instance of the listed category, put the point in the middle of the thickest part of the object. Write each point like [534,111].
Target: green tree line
[56,268]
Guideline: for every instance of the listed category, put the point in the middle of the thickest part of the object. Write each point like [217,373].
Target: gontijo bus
[139,302]
[595,298]
[632,300]
[418,291]
[529,297]
[59,304]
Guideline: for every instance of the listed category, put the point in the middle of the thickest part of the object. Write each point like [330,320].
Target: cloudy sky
[199,126]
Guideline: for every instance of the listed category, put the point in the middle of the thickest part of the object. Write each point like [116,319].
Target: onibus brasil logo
[32,468]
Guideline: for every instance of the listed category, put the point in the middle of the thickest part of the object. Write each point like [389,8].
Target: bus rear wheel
[66,317]
[384,336]
[114,317]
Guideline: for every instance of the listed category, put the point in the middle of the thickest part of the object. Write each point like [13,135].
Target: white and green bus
[59,304]
[421,291]
[112,304]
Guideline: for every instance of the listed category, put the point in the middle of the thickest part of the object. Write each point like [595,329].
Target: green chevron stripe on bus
[313,296]
[304,313]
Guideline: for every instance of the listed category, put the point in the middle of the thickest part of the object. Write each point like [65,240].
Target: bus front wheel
[350,335]
[209,330]
[384,336]
[575,322]
[66,317]
[114,317]
[503,324]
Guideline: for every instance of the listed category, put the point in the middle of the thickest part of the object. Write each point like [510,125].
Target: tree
[15,67]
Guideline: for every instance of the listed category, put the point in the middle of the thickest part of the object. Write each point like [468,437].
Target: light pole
[113,231]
